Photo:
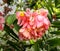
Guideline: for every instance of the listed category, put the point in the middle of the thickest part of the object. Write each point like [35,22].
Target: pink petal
[2,20]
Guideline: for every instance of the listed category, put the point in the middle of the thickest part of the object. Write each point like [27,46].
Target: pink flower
[34,24]
[1,14]
[1,23]
[2,20]
[1,26]
[28,13]
[43,12]
[24,34]
[42,21]
[21,18]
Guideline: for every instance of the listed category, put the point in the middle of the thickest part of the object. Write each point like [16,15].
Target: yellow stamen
[21,13]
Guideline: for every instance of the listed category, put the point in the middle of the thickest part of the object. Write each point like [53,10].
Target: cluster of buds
[34,23]
[2,21]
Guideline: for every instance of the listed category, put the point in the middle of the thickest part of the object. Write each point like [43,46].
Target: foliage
[9,40]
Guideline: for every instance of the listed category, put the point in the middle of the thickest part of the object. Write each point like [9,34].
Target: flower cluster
[34,23]
[1,21]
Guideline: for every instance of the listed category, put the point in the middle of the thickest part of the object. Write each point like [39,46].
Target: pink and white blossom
[34,23]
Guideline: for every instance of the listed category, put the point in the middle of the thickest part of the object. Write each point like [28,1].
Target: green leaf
[56,22]
[31,41]
[55,32]
[49,9]
[58,17]
[10,32]
[54,42]
[10,19]
[14,45]
[17,27]
[56,26]
[57,2]
[58,13]
[58,6]
[36,47]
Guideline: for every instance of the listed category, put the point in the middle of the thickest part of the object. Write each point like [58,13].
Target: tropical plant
[9,39]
